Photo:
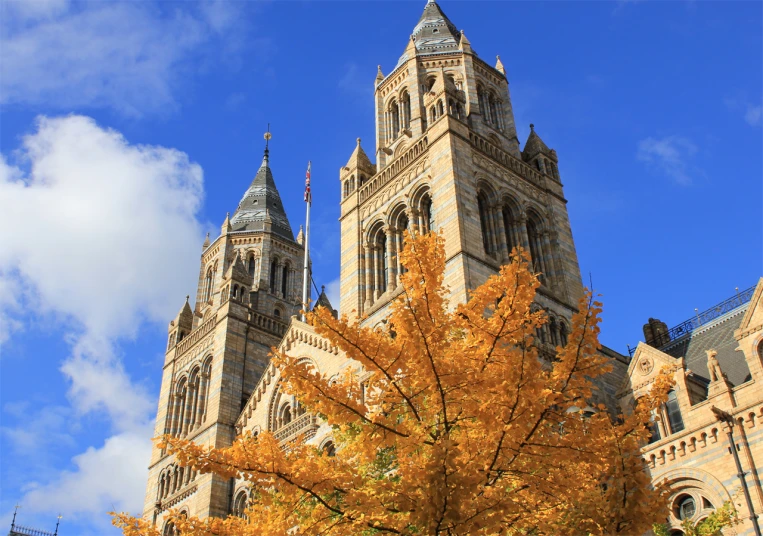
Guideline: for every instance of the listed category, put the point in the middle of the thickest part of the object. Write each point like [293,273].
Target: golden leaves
[453,424]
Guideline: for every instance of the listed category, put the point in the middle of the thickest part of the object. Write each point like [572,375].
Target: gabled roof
[260,202]
[435,33]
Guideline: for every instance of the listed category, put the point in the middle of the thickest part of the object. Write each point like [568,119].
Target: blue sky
[129,129]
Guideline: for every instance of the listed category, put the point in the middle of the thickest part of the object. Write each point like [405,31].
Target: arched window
[240,504]
[405,101]
[509,228]
[440,108]
[393,118]
[286,415]
[430,83]
[207,293]
[383,264]
[685,507]
[285,280]
[329,449]
[273,275]
[235,292]
[537,250]
[169,529]
[674,413]
[426,213]
[483,208]
[760,352]
[563,333]
[252,265]
[277,313]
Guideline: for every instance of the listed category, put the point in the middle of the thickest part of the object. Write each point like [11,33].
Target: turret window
[673,410]
[273,275]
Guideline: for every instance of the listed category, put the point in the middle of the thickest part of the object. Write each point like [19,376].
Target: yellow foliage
[461,427]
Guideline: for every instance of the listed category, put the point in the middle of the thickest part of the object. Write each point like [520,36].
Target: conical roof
[435,33]
[534,145]
[359,158]
[323,301]
[261,201]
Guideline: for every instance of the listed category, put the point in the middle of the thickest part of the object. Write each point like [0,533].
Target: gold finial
[267,136]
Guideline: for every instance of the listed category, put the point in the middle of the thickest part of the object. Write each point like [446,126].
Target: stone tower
[250,283]
[448,159]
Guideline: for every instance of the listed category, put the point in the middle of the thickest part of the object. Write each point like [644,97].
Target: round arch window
[686,507]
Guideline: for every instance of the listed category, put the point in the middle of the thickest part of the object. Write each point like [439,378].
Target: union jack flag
[308,195]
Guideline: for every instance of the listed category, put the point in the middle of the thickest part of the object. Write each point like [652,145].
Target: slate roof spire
[262,202]
[534,145]
[434,32]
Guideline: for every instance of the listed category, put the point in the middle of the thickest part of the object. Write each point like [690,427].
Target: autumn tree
[452,423]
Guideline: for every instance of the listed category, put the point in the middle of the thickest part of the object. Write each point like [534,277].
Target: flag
[308,196]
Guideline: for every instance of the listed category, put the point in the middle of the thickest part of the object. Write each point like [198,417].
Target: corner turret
[540,156]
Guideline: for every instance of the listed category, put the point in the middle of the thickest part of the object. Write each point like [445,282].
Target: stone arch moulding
[696,479]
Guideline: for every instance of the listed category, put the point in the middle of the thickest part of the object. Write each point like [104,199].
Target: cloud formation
[129,56]
[98,235]
[670,155]
[751,113]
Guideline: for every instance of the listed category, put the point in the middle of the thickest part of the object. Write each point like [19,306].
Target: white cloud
[100,234]
[670,155]
[112,477]
[752,113]
[125,55]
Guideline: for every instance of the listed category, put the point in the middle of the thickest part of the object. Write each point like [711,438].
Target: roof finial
[358,141]
[187,297]
[15,510]
[267,137]
[58,523]
[532,127]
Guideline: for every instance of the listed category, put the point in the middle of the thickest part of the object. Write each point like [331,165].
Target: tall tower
[448,159]
[250,283]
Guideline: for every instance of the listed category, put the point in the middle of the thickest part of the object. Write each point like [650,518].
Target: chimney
[656,333]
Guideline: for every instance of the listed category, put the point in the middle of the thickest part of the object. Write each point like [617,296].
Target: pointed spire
[379,74]
[262,200]
[323,301]
[301,236]
[205,245]
[499,66]
[434,32]
[534,145]
[359,159]
[227,227]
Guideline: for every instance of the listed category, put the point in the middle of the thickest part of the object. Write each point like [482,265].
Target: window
[686,507]
[273,274]
[277,313]
[329,449]
[284,280]
[240,504]
[252,265]
[674,413]
[483,208]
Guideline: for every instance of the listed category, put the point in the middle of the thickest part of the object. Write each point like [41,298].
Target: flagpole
[306,269]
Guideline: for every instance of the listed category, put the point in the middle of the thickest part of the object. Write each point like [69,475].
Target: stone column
[369,262]
[391,258]
[375,264]
[524,241]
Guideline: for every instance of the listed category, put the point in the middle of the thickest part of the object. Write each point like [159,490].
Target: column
[369,276]
[194,405]
[375,270]
[399,244]
[547,256]
[202,398]
[391,258]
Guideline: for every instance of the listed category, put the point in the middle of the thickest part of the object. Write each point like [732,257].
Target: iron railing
[26,531]
[686,327]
